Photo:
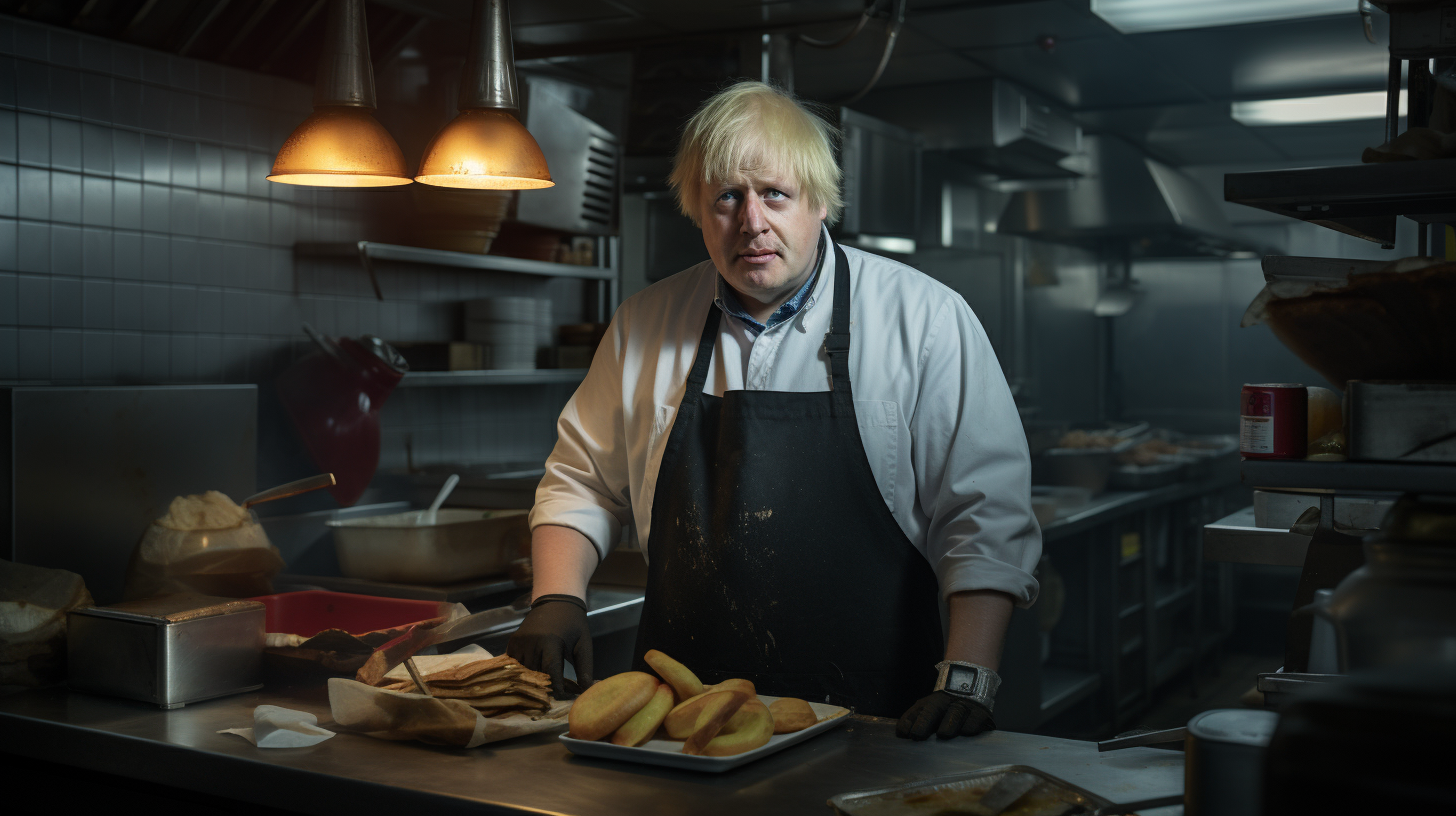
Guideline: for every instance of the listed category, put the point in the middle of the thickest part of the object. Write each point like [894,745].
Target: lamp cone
[485,149]
[340,146]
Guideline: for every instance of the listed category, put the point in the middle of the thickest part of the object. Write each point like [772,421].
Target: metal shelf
[1391,477]
[540,376]
[1359,199]
[372,251]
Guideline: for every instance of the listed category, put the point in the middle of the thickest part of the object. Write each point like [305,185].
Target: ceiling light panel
[1140,16]
[1308,110]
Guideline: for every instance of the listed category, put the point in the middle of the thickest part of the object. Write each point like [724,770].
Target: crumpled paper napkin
[276,727]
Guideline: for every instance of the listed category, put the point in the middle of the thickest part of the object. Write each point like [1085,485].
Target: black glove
[946,715]
[553,629]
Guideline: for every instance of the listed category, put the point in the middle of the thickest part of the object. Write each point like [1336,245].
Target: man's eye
[728,195]
[774,194]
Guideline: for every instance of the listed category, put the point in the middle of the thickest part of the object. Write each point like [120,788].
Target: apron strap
[836,345]
[699,375]
[836,342]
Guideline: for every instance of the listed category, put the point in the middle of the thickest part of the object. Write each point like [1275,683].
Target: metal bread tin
[960,793]
[171,651]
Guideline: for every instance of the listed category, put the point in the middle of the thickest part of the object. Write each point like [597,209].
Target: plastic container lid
[1237,726]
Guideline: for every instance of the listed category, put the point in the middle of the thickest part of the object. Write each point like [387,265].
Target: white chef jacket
[937,420]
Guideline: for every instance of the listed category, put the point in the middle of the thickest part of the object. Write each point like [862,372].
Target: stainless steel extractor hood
[1127,204]
[988,125]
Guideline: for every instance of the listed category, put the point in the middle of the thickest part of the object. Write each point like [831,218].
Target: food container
[408,548]
[1224,761]
[312,611]
[169,651]
[961,793]
[1087,468]
[1273,421]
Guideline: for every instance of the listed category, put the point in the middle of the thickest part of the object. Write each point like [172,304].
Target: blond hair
[750,126]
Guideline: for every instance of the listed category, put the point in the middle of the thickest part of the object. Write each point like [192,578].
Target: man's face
[762,234]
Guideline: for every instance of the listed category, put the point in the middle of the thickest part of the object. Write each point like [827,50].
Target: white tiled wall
[141,243]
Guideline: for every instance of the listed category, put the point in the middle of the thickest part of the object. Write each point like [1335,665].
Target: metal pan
[961,792]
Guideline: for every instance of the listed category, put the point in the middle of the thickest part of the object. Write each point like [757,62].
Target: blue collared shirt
[728,301]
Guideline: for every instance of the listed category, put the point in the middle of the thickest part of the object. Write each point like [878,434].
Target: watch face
[961,679]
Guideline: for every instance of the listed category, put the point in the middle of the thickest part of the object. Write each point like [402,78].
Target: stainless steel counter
[535,774]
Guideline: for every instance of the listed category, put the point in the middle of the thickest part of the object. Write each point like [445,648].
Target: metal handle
[1145,738]
[291,489]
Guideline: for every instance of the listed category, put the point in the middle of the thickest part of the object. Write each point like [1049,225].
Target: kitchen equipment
[1399,609]
[1401,421]
[432,516]
[168,651]
[333,396]
[668,753]
[1374,742]
[1280,509]
[1171,469]
[122,454]
[957,793]
[407,548]
[1273,420]
[293,488]
[1223,756]
[312,611]
[1007,791]
[1087,468]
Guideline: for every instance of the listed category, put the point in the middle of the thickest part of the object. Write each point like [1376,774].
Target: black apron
[773,556]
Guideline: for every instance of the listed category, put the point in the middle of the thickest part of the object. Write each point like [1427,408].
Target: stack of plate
[506,328]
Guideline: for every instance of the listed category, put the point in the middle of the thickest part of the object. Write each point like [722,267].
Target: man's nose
[751,217]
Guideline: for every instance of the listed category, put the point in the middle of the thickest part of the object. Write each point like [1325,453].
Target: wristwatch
[968,680]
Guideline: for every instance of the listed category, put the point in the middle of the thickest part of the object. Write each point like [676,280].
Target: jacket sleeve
[586,482]
[972,466]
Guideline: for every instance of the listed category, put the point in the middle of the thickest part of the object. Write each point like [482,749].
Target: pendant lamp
[486,146]
[342,144]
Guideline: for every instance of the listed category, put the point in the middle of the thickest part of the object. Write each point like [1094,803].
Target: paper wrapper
[395,715]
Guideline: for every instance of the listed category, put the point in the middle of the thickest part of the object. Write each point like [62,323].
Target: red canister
[1273,421]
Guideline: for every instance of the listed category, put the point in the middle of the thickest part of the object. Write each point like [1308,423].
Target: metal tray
[959,793]
[402,548]
[668,752]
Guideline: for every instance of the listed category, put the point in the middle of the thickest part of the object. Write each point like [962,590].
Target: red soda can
[1273,421]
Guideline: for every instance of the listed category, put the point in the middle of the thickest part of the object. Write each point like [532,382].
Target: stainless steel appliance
[585,160]
[171,651]
[881,164]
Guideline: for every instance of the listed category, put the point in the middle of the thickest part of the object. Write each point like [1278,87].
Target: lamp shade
[487,149]
[340,146]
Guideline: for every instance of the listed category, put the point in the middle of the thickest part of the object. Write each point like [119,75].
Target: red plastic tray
[311,611]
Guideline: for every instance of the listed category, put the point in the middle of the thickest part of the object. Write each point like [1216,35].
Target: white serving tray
[668,752]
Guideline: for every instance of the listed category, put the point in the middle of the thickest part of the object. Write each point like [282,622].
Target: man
[815,444]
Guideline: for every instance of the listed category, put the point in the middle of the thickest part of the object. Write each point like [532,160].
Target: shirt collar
[729,302]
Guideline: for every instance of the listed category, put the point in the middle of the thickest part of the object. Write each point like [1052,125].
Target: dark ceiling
[1169,91]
